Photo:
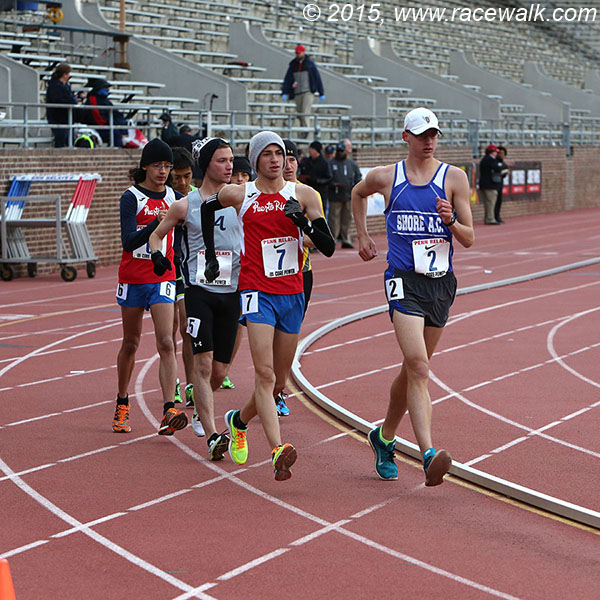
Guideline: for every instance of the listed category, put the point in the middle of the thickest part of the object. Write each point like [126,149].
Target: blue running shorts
[145,294]
[282,311]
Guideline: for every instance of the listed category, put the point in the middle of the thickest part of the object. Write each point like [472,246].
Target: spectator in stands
[346,175]
[348,144]
[329,152]
[98,96]
[169,132]
[502,152]
[315,171]
[242,171]
[489,179]
[59,92]
[302,80]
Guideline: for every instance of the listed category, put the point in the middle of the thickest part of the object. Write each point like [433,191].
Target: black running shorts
[415,294]
[212,321]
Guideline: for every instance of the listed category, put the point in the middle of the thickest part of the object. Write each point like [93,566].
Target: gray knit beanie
[259,142]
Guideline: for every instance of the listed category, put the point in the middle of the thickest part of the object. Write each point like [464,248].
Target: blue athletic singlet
[418,240]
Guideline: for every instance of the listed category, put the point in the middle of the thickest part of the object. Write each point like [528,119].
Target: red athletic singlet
[271,258]
[136,266]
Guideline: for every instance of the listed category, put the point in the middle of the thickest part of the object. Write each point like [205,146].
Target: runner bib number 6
[431,256]
[280,256]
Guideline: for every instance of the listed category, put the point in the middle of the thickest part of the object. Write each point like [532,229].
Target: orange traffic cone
[7,591]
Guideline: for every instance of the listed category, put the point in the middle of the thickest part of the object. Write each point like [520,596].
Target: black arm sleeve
[321,236]
[131,238]
[207,215]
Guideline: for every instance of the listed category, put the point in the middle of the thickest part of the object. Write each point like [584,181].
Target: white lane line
[25,548]
[426,566]
[78,456]
[554,354]
[530,432]
[68,410]
[55,299]
[287,506]
[29,334]
[254,563]
[161,499]
[67,532]
[120,551]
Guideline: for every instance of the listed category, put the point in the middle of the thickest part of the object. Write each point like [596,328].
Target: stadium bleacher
[198,31]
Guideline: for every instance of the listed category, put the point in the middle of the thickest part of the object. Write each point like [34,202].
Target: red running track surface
[91,514]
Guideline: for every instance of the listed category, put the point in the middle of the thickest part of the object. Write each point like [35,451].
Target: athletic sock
[167,406]
[386,442]
[237,421]
[122,401]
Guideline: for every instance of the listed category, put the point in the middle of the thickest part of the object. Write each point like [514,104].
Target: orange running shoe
[283,457]
[173,420]
[121,420]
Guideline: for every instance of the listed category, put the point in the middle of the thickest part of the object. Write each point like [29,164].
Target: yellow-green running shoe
[238,448]
[177,397]
[189,395]
[227,384]
[283,456]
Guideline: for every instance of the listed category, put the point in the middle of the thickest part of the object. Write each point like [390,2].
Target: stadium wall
[568,183]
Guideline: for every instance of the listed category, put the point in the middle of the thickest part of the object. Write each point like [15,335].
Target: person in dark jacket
[315,171]
[502,152]
[59,92]
[168,132]
[346,175]
[301,82]
[489,179]
[98,96]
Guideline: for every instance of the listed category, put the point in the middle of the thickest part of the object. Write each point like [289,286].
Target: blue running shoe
[282,409]
[384,456]
[436,464]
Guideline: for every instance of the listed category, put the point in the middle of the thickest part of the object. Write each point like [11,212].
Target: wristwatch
[452,220]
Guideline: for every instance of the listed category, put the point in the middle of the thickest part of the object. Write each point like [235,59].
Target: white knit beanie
[259,142]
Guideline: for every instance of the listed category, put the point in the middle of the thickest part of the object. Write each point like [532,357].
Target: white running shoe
[197,425]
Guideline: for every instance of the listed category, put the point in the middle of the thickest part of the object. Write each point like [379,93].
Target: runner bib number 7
[280,256]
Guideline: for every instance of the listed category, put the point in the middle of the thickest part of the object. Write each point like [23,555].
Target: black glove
[293,211]
[211,270]
[161,263]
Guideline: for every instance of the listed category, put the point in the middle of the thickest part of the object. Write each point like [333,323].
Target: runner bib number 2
[431,256]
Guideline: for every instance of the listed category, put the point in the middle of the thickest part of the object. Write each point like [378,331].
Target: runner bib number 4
[431,256]
[280,256]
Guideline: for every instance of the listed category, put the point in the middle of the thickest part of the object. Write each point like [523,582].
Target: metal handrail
[367,130]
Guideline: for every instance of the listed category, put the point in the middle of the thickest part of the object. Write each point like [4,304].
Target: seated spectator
[59,92]
[98,96]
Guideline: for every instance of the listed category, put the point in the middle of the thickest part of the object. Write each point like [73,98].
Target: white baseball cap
[419,120]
